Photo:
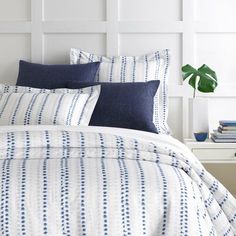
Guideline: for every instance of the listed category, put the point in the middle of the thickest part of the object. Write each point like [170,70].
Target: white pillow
[22,89]
[45,107]
[144,68]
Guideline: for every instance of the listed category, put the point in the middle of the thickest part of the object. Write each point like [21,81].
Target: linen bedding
[57,180]
[143,68]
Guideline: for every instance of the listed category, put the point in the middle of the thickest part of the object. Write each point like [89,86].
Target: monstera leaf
[203,79]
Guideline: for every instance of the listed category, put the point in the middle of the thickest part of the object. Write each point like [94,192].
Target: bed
[58,180]
[97,158]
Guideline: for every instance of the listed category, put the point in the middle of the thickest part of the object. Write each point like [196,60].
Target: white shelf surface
[208,143]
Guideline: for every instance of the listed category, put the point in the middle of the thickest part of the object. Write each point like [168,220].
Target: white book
[227,127]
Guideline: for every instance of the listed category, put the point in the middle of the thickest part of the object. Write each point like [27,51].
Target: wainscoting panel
[136,10]
[15,10]
[218,50]
[75,10]
[215,10]
[57,46]
[13,47]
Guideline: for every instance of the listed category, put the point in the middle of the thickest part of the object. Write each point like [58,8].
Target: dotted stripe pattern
[45,197]
[55,108]
[134,161]
[104,187]
[165,200]
[22,199]
[144,68]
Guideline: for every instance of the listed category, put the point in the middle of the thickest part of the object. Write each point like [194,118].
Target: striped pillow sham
[71,108]
[22,89]
[154,66]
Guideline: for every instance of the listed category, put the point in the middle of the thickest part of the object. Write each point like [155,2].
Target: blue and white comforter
[102,181]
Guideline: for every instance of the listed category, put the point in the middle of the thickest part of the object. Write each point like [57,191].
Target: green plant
[203,79]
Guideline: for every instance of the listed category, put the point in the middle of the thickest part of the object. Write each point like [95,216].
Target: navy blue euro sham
[54,76]
[123,105]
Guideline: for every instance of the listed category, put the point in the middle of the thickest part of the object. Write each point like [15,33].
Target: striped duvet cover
[106,181]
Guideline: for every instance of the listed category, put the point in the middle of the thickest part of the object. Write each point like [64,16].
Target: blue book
[227,122]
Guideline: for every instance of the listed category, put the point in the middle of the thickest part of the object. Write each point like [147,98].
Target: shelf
[207,144]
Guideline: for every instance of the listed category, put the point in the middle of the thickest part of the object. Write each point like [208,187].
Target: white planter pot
[198,115]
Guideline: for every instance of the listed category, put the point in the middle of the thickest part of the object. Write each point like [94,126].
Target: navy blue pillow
[123,105]
[54,76]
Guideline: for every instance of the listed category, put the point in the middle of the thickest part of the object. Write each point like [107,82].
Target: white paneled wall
[89,10]
[151,10]
[13,47]
[12,10]
[195,31]
[57,46]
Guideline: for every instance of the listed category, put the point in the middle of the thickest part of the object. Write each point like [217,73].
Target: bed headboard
[44,31]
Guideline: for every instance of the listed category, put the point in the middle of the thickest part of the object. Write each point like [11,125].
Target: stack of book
[226,132]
